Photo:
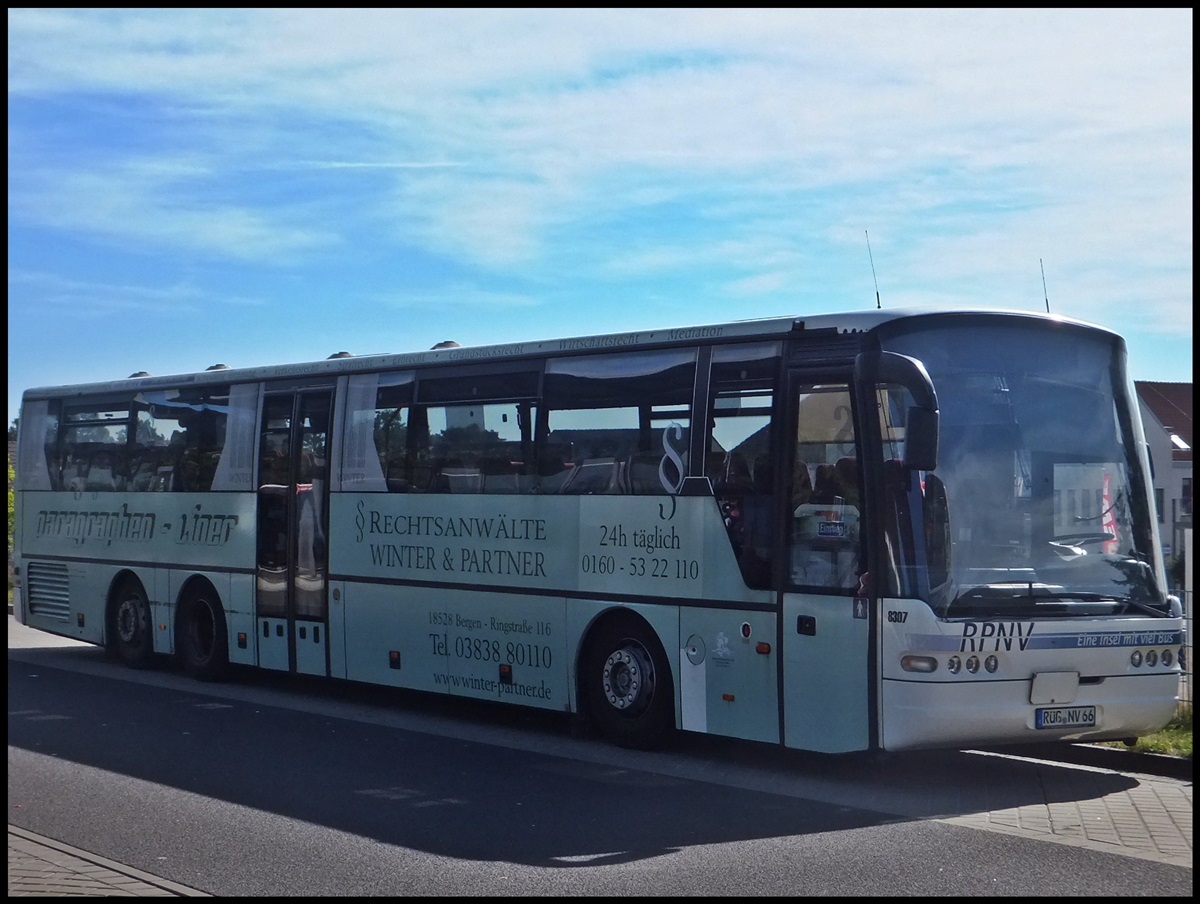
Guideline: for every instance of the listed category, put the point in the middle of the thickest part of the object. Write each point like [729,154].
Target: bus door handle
[806,624]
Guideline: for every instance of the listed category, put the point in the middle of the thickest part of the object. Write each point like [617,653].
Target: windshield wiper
[1026,592]
[1146,607]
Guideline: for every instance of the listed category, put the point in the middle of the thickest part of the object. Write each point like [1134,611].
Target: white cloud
[736,154]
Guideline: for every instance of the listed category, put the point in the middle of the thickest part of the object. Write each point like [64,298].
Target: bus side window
[606,414]
[740,423]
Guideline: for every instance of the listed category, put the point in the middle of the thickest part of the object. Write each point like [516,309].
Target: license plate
[1065,717]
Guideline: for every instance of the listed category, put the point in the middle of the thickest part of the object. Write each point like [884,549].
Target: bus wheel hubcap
[128,620]
[627,673]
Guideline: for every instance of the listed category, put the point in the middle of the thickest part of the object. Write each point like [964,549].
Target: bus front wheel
[132,634]
[627,686]
[201,639]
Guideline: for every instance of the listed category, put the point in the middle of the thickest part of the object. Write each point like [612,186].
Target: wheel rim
[129,620]
[627,679]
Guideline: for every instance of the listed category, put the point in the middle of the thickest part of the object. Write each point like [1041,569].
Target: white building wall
[1169,477]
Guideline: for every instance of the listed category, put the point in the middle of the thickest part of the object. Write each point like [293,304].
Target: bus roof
[446,352]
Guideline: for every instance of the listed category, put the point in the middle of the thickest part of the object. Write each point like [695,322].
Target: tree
[12,430]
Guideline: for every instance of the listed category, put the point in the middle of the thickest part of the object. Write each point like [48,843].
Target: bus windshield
[1038,505]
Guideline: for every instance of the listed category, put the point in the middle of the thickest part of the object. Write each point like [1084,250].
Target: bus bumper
[931,715]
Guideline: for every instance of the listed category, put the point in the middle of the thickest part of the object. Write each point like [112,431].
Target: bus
[853,532]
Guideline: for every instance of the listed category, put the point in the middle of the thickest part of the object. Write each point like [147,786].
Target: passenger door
[292,605]
[826,624]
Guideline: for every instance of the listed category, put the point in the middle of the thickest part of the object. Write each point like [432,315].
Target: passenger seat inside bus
[729,473]
[500,475]
[145,467]
[641,470]
[454,476]
[802,488]
[595,476]
[101,473]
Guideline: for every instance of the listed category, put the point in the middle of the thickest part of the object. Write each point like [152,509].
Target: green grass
[1174,740]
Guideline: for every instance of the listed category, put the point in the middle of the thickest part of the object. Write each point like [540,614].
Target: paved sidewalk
[39,866]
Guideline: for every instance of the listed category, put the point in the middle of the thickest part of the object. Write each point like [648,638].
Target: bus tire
[201,638]
[131,637]
[627,685]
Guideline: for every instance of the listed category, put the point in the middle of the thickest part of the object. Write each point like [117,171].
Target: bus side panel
[465,642]
[239,618]
[728,673]
[61,596]
[168,529]
[162,585]
[338,648]
[447,633]
[631,546]
[66,598]
[79,543]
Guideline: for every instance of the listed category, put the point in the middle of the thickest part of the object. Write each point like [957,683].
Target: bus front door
[292,607]
[826,638]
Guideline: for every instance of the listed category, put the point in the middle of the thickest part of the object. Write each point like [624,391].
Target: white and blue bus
[869,531]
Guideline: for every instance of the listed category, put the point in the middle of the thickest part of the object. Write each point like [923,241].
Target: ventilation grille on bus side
[48,590]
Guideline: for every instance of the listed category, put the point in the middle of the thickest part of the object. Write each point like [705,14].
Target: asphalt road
[268,786]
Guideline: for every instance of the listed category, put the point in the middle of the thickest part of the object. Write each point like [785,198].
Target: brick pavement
[43,867]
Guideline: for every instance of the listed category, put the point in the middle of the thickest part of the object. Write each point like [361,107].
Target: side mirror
[921,429]
[921,439]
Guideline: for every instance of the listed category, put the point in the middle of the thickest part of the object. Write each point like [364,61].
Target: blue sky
[246,187]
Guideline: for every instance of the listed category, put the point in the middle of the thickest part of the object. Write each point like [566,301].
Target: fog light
[918,663]
[1135,658]
[954,665]
[1167,658]
[1152,657]
[973,664]
[991,663]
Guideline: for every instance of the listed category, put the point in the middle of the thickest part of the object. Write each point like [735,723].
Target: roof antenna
[1047,294]
[873,276]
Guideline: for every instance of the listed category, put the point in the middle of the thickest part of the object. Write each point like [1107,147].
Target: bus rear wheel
[201,639]
[132,634]
[627,686]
